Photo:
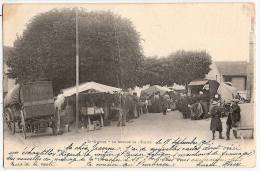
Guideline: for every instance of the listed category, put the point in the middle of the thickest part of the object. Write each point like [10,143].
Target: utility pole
[77,72]
[117,58]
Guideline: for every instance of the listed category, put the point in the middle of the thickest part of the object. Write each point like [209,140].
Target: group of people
[133,107]
[200,107]
[161,103]
[128,107]
[158,102]
[194,107]
[232,121]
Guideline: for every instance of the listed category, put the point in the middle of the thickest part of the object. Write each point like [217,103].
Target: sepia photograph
[108,85]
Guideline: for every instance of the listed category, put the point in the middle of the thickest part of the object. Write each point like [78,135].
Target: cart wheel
[23,125]
[10,120]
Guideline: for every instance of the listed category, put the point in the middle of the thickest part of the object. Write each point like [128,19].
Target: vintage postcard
[129,85]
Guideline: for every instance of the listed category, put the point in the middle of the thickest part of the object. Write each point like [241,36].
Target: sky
[220,29]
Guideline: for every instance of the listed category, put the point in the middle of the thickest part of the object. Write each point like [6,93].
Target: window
[227,79]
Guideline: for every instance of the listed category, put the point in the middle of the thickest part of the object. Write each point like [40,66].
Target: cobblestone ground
[150,126]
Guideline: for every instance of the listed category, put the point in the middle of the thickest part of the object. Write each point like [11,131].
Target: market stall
[94,102]
[201,91]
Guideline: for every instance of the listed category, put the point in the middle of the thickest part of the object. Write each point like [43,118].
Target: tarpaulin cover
[226,92]
[178,87]
[13,96]
[198,82]
[212,85]
[90,86]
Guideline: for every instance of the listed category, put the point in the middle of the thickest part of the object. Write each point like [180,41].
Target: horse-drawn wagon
[29,107]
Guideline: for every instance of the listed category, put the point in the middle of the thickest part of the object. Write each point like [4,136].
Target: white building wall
[214,73]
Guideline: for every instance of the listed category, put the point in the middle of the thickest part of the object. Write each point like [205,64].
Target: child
[215,124]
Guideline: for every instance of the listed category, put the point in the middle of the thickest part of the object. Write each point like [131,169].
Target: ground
[147,127]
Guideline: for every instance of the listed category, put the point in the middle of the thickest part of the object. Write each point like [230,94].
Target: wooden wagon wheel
[10,120]
[23,124]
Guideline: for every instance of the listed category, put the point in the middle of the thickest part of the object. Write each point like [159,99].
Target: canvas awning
[178,87]
[213,86]
[198,82]
[227,92]
[154,89]
[90,86]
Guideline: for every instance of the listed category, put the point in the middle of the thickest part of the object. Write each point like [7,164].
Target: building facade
[234,72]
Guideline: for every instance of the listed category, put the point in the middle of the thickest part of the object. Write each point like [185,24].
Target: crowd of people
[201,106]
[130,106]
[133,107]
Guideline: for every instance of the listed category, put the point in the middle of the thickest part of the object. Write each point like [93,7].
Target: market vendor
[60,109]
[122,107]
[196,110]
[60,102]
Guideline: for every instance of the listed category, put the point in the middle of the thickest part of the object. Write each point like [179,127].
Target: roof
[235,68]
[198,82]
[90,86]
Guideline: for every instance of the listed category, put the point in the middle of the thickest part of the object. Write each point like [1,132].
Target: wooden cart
[12,106]
[36,109]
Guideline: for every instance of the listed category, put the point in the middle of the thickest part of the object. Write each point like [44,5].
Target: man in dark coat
[215,124]
[233,120]
[164,102]
[137,110]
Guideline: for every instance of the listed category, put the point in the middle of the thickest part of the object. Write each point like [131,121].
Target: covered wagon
[29,107]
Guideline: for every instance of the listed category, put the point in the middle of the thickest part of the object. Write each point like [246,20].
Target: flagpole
[77,72]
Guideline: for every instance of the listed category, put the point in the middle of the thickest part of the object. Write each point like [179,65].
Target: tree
[109,47]
[180,67]
[185,66]
[153,72]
